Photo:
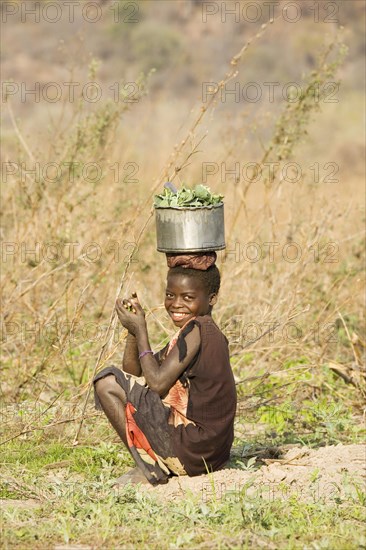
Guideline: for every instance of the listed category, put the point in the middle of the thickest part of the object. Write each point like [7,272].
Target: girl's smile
[186,298]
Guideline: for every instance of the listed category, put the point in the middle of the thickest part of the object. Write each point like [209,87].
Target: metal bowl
[190,229]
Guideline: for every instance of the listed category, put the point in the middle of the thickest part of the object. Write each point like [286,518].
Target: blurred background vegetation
[78,178]
[162,61]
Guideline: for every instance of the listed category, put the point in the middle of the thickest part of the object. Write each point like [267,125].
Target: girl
[174,410]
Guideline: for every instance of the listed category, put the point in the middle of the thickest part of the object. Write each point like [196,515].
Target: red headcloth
[196,260]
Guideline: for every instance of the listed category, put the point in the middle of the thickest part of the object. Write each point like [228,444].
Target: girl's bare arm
[131,363]
[159,378]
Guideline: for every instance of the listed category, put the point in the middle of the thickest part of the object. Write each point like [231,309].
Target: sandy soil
[328,474]
[325,474]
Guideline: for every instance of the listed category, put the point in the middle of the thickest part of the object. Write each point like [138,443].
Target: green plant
[185,197]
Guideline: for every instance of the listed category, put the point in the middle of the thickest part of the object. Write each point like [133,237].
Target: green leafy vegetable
[199,196]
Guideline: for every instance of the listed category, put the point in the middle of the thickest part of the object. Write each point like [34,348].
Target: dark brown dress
[190,430]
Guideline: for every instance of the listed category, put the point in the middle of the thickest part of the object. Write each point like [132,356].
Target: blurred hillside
[187,46]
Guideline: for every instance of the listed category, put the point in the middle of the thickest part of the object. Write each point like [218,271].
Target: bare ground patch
[325,474]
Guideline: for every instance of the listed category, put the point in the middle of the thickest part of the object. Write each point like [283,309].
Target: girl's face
[185,298]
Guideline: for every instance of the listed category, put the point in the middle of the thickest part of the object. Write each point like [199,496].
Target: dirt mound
[332,473]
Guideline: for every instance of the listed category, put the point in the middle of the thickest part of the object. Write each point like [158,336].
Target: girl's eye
[189,298]
[167,295]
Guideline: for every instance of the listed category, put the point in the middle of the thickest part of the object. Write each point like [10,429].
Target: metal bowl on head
[187,229]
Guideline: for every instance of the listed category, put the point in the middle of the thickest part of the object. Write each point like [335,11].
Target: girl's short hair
[210,279]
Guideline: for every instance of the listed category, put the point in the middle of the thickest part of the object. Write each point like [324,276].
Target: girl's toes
[132,477]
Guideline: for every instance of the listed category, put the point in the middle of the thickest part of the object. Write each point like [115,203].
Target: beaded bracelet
[143,353]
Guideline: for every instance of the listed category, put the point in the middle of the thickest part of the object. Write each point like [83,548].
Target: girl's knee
[106,384]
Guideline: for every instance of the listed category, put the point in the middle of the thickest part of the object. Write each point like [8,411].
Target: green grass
[68,499]
[88,511]
[66,496]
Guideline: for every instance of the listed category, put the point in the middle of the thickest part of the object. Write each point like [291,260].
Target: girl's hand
[134,320]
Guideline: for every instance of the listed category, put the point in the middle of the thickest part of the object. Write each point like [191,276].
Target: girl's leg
[113,401]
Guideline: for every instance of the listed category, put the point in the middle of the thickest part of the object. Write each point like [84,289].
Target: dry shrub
[279,302]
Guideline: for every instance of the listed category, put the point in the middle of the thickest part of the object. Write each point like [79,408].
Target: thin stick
[170,166]
[110,332]
[349,337]
[20,137]
[204,108]
[57,423]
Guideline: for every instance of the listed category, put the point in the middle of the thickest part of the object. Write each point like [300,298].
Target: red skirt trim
[135,437]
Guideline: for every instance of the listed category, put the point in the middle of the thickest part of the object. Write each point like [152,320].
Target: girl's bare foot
[133,477]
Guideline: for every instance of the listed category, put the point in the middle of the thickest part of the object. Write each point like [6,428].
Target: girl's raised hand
[131,314]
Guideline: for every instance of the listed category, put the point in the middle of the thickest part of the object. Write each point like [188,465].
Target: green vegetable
[185,197]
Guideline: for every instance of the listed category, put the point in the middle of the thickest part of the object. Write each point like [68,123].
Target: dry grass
[301,264]
[292,273]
